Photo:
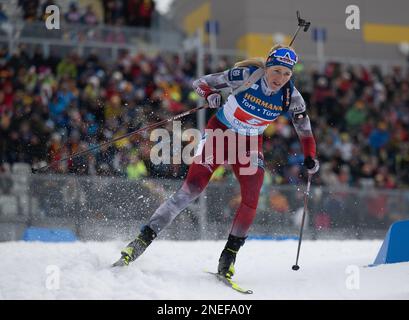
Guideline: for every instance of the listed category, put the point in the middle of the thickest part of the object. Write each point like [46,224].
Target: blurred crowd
[52,107]
[136,13]
[360,119]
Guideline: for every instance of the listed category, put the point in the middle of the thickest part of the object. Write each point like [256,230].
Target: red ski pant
[231,153]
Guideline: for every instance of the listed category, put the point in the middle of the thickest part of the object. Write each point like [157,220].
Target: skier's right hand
[214,100]
[212,97]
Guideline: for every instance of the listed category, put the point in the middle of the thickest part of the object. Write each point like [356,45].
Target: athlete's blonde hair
[260,62]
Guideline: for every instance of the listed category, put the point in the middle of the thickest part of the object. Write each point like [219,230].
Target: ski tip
[230,283]
[119,263]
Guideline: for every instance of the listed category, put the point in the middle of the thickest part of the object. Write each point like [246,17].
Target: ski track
[175,270]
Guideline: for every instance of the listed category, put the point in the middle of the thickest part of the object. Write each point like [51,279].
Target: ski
[119,263]
[122,261]
[230,283]
[125,258]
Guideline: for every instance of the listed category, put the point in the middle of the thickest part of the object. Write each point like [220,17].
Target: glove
[214,100]
[212,97]
[311,164]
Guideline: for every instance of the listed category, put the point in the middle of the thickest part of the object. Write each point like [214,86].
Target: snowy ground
[174,270]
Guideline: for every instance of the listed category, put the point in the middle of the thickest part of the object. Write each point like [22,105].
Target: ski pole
[151,126]
[306,195]
[301,23]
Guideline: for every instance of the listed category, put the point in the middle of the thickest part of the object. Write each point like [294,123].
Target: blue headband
[282,57]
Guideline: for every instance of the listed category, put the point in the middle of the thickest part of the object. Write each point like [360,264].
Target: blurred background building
[252,26]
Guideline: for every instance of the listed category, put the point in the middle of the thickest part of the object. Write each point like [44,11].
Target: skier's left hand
[311,164]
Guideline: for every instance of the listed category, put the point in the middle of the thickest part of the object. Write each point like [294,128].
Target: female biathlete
[260,92]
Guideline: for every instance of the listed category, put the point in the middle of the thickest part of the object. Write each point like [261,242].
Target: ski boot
[228,256]
[135,248]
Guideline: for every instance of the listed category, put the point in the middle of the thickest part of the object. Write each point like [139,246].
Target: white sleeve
[299,116]
[231,78]
[297,103]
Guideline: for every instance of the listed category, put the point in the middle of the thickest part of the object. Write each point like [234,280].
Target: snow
[174,270]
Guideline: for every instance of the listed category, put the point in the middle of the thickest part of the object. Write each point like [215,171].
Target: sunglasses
[284,55]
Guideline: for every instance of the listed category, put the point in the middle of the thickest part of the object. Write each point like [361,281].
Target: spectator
[30,8]
[73,15]
[279,202]
[132,13]
[356,116]
[67,67]
[328,175]
[3,16]
[113,11]
[89,18]
[136,168]
[44,14]
[379,136]
[345,147]
[146,8]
